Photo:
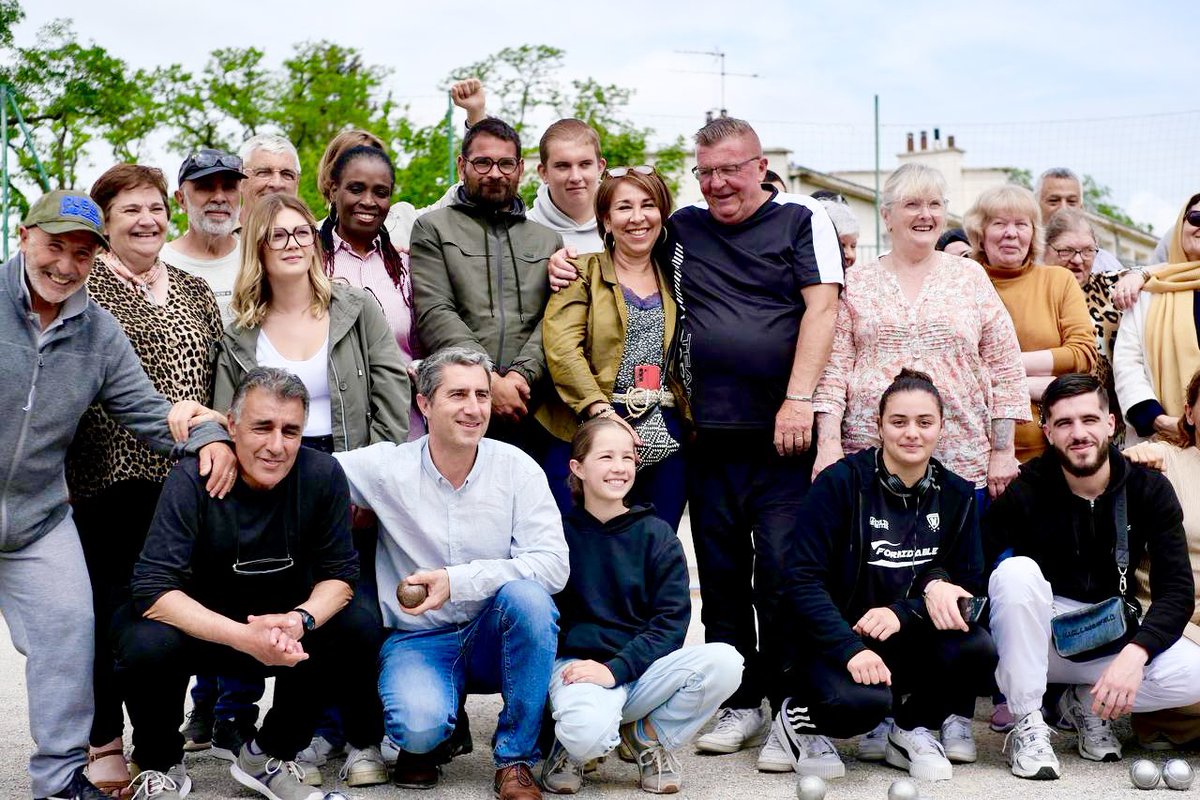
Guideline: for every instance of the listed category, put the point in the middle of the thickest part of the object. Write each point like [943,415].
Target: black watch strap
[306,619]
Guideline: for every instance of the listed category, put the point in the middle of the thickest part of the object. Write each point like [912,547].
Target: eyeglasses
[1193,218]
[262,566]
[726,171]
[483,165]
[278,238]
[621,172]
[1067,253]
[206,159]
[263,173]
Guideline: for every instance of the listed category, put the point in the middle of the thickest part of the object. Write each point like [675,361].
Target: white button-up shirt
[501,525]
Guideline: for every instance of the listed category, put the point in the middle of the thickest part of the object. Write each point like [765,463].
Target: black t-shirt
[739,291]
[195,540]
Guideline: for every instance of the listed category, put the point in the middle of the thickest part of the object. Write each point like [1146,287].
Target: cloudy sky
[1022,84]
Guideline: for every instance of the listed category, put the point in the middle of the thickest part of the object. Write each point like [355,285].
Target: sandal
[116,788]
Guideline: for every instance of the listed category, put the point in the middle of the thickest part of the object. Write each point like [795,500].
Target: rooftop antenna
[718,54]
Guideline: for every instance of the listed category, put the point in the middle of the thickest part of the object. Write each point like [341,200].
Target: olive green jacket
[584,337]
[479,281]
[368,382]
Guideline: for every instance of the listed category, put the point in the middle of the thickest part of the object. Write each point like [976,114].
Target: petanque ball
[335,796]
[810,787]
[411,595]
[904,789]
[1178,774]
[1144,774]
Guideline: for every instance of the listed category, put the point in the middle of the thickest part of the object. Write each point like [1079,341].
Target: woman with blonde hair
[1157,347]
[920,308]
[1045,303]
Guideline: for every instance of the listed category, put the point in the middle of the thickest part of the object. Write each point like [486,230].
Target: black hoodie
[828,583]
[627,602]
[1073,540]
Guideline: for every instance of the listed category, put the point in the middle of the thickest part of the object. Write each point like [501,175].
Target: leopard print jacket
[175,343]
[1106,319]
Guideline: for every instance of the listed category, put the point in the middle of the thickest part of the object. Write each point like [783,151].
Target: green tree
[519,81]
[1098,198]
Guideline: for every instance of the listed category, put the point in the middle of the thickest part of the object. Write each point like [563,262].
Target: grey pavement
[718,777]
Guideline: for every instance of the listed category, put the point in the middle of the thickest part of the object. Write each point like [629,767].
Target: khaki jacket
[368,382]
[583,334]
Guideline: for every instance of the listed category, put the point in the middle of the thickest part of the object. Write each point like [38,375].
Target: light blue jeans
[678,693]
[508,648]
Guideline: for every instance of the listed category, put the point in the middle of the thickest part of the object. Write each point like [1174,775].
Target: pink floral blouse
[957,331]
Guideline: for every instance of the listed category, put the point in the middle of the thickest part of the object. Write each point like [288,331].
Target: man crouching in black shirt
[260,582]
[887,546]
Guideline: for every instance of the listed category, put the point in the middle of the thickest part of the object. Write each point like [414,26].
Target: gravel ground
[718,777]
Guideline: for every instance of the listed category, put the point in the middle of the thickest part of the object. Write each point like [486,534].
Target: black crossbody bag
[1100,629]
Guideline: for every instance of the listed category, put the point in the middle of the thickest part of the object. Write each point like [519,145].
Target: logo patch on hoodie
[894,555]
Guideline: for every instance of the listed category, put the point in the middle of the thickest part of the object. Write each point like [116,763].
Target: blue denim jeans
[509,648]
[678,693]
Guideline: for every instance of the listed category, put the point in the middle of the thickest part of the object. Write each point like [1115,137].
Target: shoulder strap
[1121,512]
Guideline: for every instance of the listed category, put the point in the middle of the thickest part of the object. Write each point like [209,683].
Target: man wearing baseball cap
[209,191]
[62,352]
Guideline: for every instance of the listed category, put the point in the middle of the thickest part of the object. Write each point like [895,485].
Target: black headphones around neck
[896,486]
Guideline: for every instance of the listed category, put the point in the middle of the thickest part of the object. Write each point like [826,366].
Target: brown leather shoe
[516,782]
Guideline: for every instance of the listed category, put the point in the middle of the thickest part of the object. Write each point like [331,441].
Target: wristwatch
[306,619]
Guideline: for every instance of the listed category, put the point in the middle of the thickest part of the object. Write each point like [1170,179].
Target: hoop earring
[609,242]
[662,236]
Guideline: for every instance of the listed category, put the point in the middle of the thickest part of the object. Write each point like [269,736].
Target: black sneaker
[460,743]
[80,788]
[228,737]
[197,730]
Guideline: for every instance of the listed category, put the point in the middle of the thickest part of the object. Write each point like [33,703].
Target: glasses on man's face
[725,171]
[278,238]
[1193,218]
[483,165]
[266,173]
[1067,253]
[621,172]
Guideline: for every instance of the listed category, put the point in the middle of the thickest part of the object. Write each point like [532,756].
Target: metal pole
[878,240]
[450,175]
[4,169]
[43,178]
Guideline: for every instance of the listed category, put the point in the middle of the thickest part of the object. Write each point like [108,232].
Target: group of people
[398,456]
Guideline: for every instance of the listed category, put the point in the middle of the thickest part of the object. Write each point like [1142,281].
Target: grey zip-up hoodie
[480,281]
[584,237]
[47,380]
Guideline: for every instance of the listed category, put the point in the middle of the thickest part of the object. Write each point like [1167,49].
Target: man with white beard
[208,191]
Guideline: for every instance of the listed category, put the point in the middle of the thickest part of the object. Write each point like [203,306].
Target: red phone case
[647,376]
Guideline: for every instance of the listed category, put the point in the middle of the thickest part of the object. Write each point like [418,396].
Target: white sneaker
[873,746]
[957,740]
[318,752]
[736,728]
[919,752]
[1096,741]
[1027,748]
[389,751]
[174,784]
[811,753]
[364,767]
[774,757]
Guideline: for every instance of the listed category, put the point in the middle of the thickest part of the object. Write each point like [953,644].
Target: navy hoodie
[627,602]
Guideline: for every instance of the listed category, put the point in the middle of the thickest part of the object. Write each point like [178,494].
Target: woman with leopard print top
[172,320]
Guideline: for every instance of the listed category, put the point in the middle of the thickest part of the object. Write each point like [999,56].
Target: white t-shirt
[218,273]
[313,373]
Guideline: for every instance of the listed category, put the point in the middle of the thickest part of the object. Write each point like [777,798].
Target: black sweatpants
[155,660]
[934,674]
[744,499]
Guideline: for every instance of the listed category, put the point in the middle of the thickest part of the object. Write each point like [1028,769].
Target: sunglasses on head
[621,172]
[206,160]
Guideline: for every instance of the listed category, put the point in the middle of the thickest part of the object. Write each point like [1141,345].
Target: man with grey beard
[209,182]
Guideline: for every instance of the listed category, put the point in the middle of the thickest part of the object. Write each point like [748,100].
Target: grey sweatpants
[46,599]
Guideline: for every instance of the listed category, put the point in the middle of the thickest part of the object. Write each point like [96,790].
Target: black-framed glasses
[483,165]
[1193,218]
[726,171]
[278,238]
[1067,253]
[621,172]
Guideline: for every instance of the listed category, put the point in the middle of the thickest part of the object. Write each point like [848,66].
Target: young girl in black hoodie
[622,675]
